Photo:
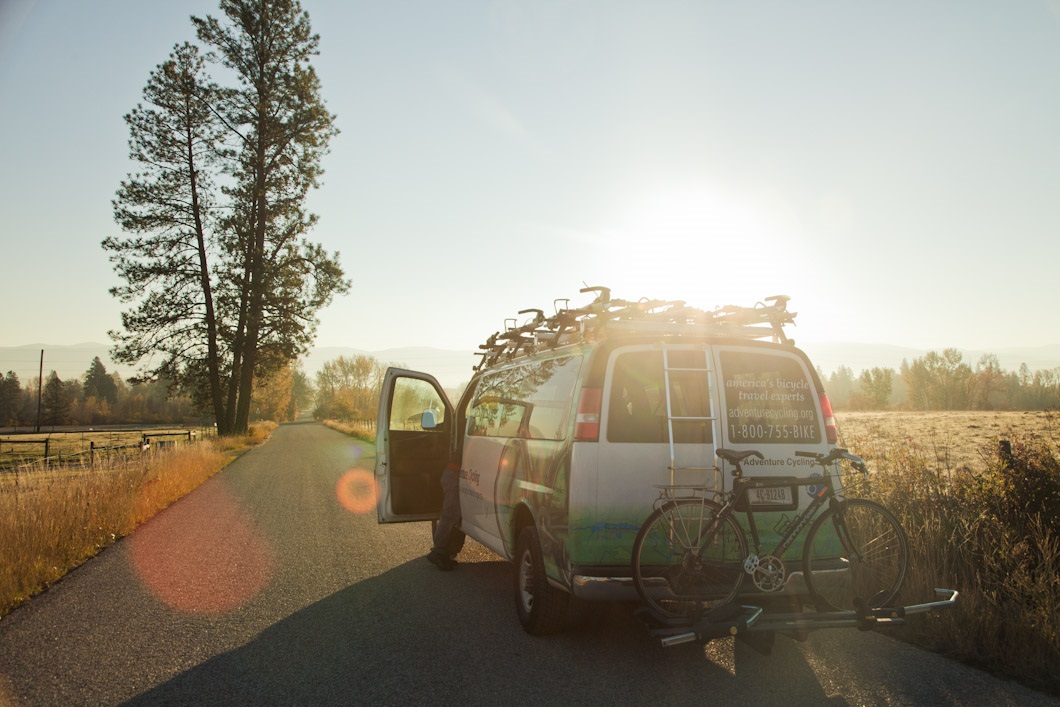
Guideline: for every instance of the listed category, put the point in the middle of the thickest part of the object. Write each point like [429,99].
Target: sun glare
[209,560]
[356,491]
[700,243]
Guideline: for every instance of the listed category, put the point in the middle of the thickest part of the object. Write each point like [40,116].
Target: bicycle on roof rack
[691,556]
[604,315]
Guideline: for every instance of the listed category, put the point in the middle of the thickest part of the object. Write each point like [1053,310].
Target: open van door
[412,440]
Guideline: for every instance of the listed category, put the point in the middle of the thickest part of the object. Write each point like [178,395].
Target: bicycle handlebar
[835,455]
[734,458]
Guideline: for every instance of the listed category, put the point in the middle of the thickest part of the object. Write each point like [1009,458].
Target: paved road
[267,586]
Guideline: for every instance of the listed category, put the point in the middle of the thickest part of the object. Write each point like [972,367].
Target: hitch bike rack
[743,620]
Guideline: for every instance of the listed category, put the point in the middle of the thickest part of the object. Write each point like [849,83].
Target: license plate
[778,496]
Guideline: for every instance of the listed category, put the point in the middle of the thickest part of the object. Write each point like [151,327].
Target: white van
[572,422]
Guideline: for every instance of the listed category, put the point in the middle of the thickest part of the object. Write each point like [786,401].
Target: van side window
[532,401]
[411,398]
[637,411]
[768,399]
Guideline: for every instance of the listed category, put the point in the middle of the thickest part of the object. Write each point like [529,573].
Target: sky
[894,167]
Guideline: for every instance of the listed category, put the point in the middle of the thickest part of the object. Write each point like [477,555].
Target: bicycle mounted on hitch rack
[691,558]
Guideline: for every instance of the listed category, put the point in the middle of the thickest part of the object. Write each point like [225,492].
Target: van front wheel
[541,607]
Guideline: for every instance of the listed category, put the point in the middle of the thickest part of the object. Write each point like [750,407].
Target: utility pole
[40,385]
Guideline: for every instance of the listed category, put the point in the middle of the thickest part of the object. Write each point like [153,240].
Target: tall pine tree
[167,263]
[281,128]
[224,300]
[55,402]
[99,384]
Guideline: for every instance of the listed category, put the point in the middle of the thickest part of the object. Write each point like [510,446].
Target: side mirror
[429,419]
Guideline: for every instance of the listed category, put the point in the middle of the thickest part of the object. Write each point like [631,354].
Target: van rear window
[637,408]
[768,399]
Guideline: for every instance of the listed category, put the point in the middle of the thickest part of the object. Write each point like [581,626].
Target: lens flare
[203,557]
[356,491]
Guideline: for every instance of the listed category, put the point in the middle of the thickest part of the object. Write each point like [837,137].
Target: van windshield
[768,399]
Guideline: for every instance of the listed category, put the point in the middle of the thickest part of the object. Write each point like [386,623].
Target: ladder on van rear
[707,387]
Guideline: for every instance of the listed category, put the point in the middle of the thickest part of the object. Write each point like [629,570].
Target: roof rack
[645,316]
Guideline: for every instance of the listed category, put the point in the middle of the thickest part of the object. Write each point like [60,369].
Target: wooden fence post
[1004,450]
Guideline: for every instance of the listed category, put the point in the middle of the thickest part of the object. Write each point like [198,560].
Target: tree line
[347,388]
[99,397]
[222,284]
[943,380]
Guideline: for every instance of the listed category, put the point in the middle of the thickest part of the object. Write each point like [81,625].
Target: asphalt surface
[272,585]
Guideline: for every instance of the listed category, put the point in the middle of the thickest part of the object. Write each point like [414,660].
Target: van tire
[542,608]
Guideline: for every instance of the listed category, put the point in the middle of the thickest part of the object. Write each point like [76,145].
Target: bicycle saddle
[734,457]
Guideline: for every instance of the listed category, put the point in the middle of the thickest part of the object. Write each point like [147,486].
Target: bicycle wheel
[686,560]
[855,550]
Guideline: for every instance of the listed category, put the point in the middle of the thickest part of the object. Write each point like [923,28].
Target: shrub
[993,534]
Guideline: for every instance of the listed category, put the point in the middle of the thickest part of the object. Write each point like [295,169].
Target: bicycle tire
[684,562]
[856,555]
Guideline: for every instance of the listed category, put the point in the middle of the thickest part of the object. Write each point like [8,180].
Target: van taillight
[587,423]
[830,431]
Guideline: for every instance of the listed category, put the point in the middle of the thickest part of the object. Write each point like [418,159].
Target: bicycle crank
[768,573]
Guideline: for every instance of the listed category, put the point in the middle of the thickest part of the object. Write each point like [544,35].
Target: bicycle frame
[741,488]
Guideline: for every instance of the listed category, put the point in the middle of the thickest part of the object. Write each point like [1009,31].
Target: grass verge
[352,429]
[989,529]
[53,520]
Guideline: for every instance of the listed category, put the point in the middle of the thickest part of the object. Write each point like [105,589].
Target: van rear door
[771,403]
[412,446]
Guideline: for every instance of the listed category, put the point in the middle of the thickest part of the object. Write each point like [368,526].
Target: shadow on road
[414,634]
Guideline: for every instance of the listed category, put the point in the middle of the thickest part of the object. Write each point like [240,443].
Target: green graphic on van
[603,541]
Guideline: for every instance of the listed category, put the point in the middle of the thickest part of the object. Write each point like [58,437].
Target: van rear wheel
[542,608]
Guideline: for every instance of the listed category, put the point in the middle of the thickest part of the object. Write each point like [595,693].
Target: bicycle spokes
[686,559]
[856,553]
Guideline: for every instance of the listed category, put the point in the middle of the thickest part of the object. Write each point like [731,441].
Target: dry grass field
[980,521]
[352,429]
[950,439]
[53,519]
[77,447]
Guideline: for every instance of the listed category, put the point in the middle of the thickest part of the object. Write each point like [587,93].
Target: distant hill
[829,356]
[67,361]
[453,368]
